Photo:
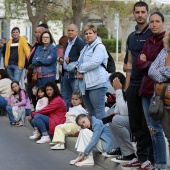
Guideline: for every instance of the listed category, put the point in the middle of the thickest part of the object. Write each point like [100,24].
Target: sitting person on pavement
[50,116]
[94,134]
[19,103]
[5,88]
[41,103]
[120,129]
[70,127]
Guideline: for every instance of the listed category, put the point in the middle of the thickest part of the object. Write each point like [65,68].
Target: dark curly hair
[55,88]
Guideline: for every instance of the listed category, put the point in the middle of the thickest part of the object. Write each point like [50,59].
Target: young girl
[69,127]
[93,134]
[41,103]
[18,98]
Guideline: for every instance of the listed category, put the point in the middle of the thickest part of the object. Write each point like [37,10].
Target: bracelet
[128,70]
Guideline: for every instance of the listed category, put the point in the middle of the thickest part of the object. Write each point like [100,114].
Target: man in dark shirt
[137,120]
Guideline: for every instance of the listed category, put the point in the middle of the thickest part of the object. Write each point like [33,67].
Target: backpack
[111,67]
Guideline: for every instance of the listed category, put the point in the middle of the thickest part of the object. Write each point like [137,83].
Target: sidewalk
[100,160]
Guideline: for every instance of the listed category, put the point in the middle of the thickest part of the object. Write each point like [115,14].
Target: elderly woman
[159,71]
[44,59]
[92,74]
[5,88]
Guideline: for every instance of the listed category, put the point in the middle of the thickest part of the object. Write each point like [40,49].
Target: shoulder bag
[156,107]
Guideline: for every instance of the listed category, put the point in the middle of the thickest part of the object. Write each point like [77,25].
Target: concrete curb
[98,158]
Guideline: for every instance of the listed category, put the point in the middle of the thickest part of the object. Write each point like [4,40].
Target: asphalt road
[18,152]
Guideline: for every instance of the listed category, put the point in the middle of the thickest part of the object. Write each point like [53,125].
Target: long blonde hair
[166,40]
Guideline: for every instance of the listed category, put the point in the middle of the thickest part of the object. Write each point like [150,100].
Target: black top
[13,58]
[135,44]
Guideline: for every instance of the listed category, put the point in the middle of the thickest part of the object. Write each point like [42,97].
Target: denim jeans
[3,102]
[145,104]
[159,146]
[67,88]
[44,80]
[11,116]
[95,102]
[158,139]
[14,72]
[41,122]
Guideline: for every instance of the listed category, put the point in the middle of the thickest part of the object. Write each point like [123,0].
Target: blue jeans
[44,80]
[10,114]
[14,72]
[67,88]
[95,102]
[145,105]
[3,102]
[158,140]
[41,122]
[159,146]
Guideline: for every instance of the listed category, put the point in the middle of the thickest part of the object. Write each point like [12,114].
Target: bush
[102,31]
[110,45]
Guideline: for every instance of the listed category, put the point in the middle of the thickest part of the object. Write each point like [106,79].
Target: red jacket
[151,49]
[56,110]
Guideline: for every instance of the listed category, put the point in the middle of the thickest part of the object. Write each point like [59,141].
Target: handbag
[34,77]
[156,107]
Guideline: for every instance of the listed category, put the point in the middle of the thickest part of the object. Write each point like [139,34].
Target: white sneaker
[87,162]
[72,162]
[58,146]
[44,139]
[36,135]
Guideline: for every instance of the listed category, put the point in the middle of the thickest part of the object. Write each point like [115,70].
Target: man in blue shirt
[137,120]
[72,52]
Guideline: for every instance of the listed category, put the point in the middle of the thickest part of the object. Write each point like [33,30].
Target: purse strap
[163,91]
[47,50]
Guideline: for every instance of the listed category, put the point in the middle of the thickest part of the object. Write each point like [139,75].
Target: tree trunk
[77,6]
[124,24]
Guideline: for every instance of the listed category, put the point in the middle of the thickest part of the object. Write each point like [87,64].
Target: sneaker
[86,162]
[72,162]
[36,135]
[18,124]
[112,153]
[58,146]
[147,165]
[134,163]
[13,123]
[44,139]
[123,159]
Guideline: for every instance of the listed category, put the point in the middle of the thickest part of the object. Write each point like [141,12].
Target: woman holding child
[50,116]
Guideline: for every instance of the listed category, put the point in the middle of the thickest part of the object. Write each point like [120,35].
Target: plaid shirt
[158,71]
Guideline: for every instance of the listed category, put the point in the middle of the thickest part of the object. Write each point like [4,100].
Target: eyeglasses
[45,37]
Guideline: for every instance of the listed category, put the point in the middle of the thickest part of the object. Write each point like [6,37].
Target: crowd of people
[78,107]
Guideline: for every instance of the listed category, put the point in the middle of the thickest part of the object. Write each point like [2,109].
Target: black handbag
[156,107]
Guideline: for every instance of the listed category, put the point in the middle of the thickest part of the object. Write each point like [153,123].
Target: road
[18,152]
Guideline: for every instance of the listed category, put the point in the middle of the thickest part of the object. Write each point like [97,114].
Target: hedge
[110,45]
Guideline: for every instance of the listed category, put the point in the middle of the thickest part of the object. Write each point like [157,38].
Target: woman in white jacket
[93,75]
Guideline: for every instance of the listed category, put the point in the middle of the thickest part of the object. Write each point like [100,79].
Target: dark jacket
[151,49]
[75,52]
